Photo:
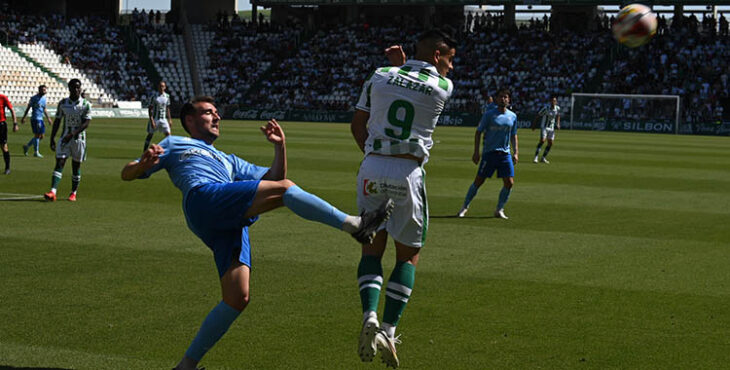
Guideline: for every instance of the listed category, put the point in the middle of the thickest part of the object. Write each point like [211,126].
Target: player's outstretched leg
[274,194]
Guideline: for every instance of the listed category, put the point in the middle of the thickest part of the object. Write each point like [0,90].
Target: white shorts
[75,148]
[547,134]
[383,177]
[161,125]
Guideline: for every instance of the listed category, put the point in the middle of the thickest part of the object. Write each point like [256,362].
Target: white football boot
[386,346]
[462,213]
[500,214]
[366,347]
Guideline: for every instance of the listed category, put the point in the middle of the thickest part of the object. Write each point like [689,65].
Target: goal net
[625,112]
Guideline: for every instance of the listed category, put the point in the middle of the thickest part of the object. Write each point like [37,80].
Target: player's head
[74,88]
[438,48]
[42,90]
[199,117]
[162,86]
[503,97]
[553,100]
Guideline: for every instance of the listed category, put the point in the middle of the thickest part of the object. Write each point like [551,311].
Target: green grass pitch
[615,256]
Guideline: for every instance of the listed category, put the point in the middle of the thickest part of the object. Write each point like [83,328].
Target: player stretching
[76,114]
[223,195]
[159,113]
[37,124]
[550,122]
[5,103]
[499,127]
[393,123]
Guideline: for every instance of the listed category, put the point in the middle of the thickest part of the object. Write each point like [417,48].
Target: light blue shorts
[214,212]
[496,160]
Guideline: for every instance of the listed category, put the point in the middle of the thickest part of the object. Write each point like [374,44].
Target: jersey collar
[423,65]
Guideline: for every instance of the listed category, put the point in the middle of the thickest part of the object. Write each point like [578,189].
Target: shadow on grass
[2,367]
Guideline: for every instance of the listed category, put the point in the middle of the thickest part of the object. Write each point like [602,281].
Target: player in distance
[550,114]
[38,104]
[393,124]
[499,126]
[75,112]
[223,195]
[159,114]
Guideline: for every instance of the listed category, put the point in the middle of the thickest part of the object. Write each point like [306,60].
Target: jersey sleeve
[166,146]
[87,110]
[363,103]
[513,132]
[542,111]
[8,103]
[243,170]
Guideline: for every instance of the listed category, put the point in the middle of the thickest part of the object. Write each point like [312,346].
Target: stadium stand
[202,39]
[19,79]
[167,52]
[88,48]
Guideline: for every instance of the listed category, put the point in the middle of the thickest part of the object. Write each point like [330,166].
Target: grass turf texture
[615,256]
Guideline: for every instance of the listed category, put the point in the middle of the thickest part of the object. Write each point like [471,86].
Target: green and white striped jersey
[549,114]
[158,106]
[404,105]
[74,113]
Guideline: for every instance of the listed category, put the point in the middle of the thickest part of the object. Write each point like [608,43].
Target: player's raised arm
[396,56]
[149,158]
[275,135]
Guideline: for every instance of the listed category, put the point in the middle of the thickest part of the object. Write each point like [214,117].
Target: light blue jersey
[191,163]
[38,105]
[498,128]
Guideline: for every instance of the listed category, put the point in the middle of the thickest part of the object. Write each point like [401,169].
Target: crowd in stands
[690,59]
[257,64]
[90,44]
[241,52]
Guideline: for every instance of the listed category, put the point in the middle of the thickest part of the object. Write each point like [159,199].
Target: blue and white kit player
[38,104]
[223,195]
[499,126]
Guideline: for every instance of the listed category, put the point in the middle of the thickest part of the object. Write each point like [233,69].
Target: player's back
[404,105]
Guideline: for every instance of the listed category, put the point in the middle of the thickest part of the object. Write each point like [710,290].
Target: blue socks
[214,326]
[503,197]
[470,194]
[313,208]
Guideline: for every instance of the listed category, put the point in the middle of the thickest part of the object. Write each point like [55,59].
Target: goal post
[625,112]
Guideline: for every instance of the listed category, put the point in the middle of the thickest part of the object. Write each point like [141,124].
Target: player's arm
[359,128]
[477,141]
[557,121]
[15,120]
[275,135]
[396,56]
[54,130]
[169,117]
[516,149]
[47,116]
[150,158]
[151,117]
[25,114]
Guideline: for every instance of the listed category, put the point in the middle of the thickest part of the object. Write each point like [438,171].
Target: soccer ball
[635,25]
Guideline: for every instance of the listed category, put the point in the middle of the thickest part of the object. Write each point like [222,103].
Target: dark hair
[189,108]
[41,86]
[504,90]
[74,81]
[437,39]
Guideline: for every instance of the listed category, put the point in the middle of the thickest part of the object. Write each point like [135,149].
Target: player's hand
[67,138]
[151,156]
[475,158]
[152,124]
[273,132]
[515,158]
[15,127]
[53,145]
[22,121]
[396,56]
